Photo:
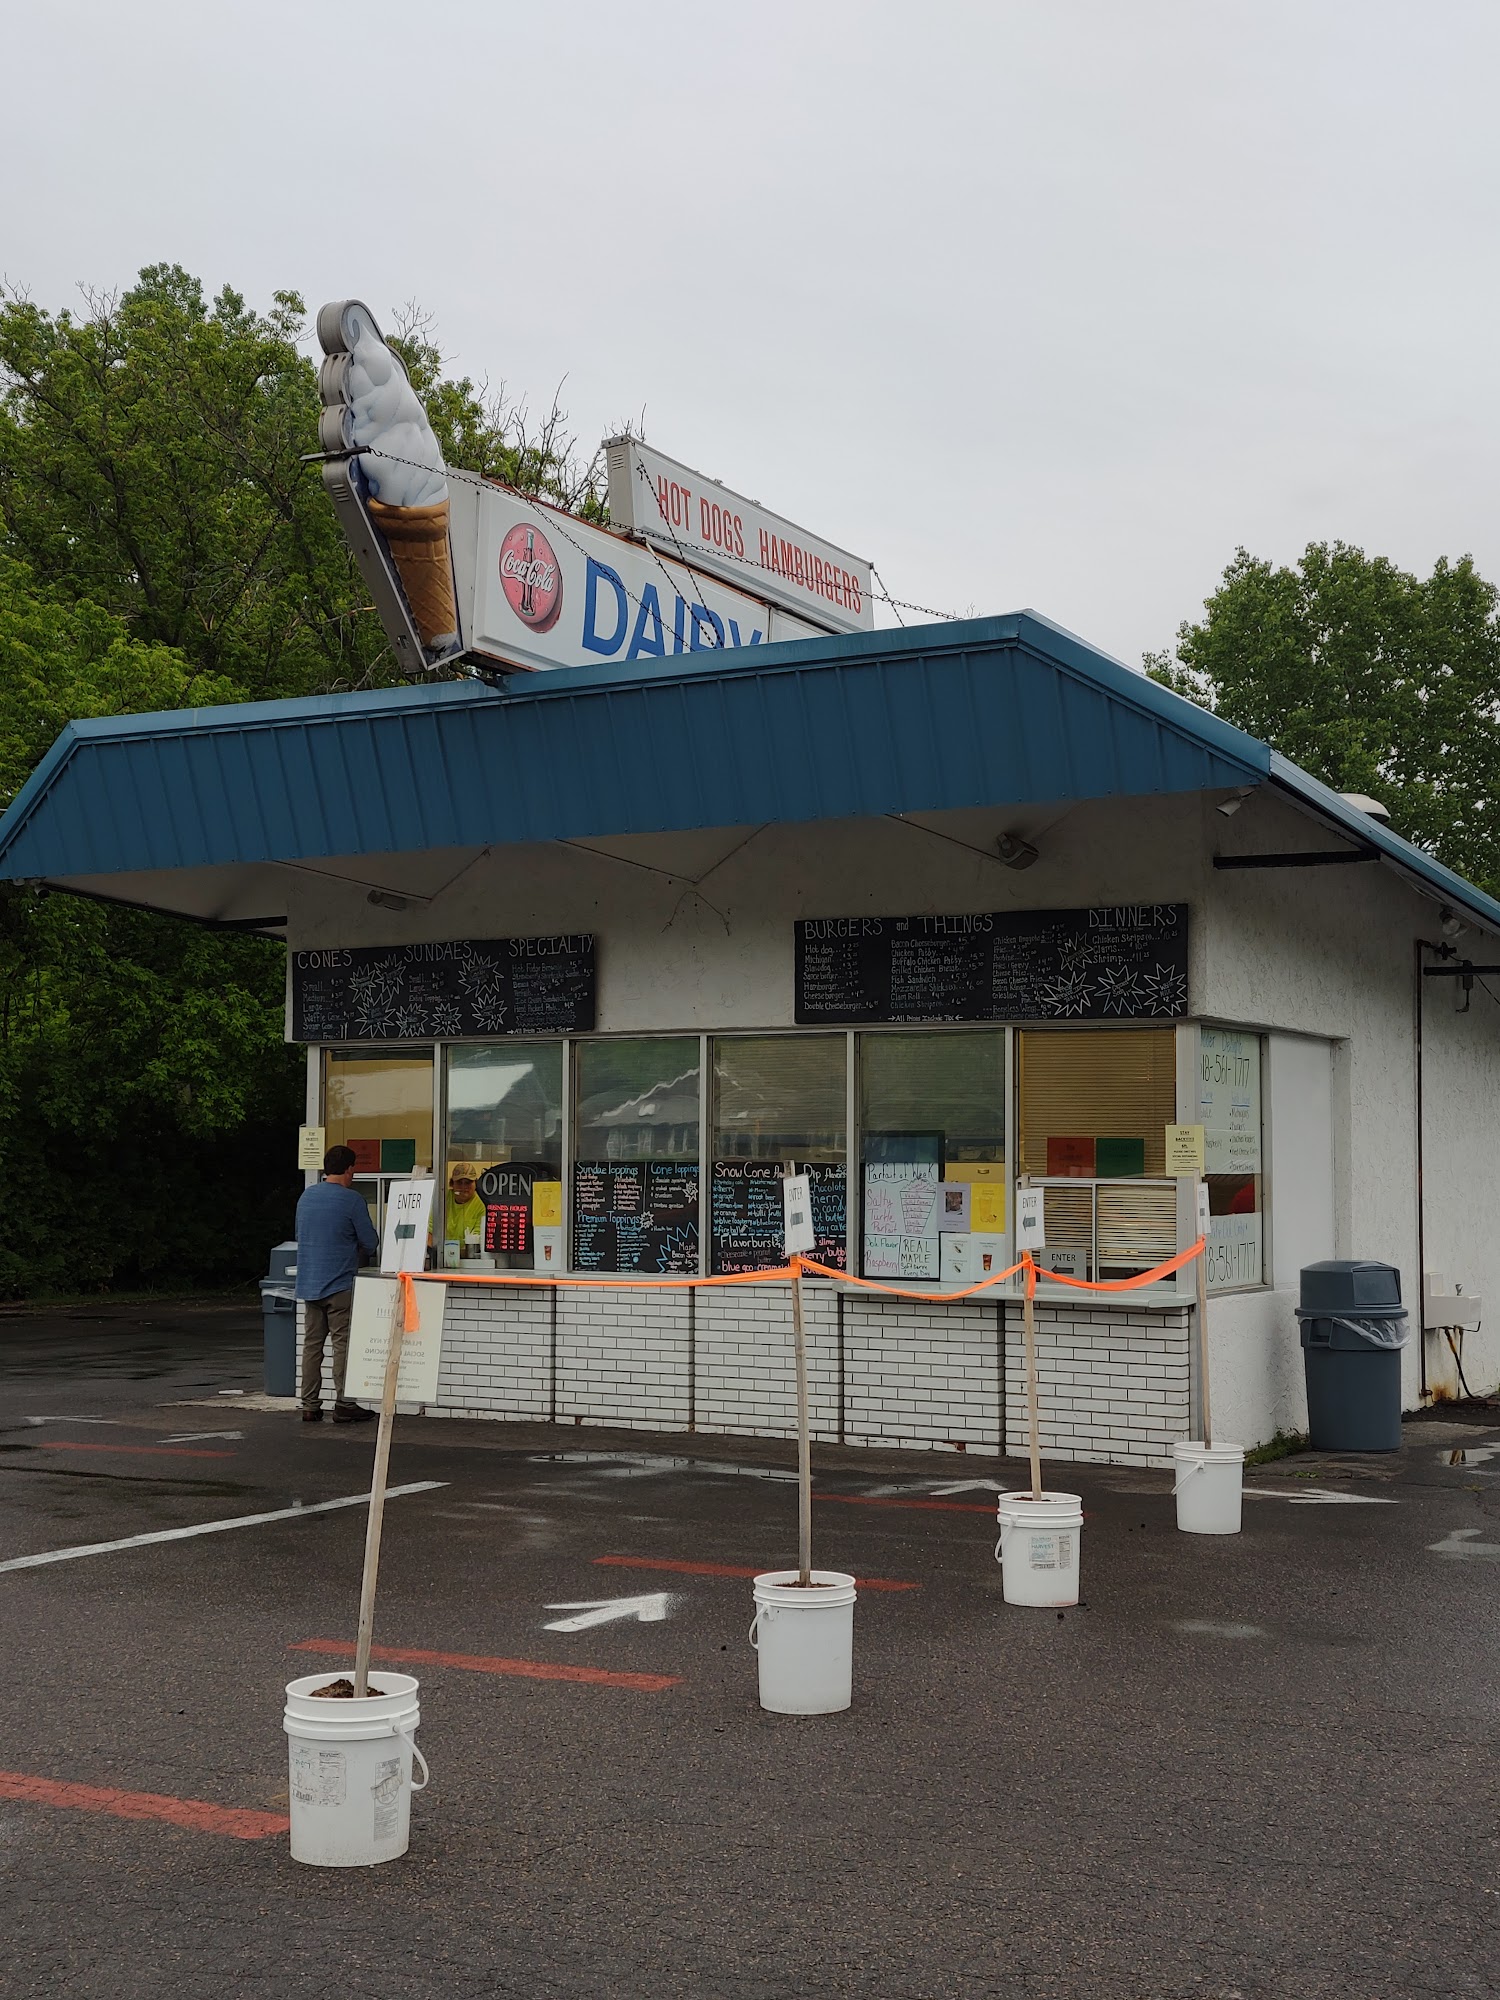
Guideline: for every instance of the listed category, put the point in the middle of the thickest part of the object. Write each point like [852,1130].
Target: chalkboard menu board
[748,1217]
[635,1216]
[478,987]
[1116,962]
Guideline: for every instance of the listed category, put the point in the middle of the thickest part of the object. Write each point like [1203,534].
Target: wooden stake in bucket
[404,1303]
[803,1630]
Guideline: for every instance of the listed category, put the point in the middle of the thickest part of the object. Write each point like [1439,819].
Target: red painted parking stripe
[239,1822]
[483,1663]
[134,1450]
[936,1506]
[732,1569]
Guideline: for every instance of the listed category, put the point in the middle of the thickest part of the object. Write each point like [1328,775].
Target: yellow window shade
[1098,1083]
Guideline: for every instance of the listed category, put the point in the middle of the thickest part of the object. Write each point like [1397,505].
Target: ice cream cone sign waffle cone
[383,467]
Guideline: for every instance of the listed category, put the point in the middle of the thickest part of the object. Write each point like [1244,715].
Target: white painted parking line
[213,1527]
[648,1610]
[1315,1497]
[1212,1628]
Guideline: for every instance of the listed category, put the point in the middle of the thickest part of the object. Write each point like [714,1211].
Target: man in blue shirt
[334,1237]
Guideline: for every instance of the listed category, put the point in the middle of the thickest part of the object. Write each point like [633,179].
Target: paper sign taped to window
[1184,1149]
[310,1146]
[987,1207]
[1031,1228]
[796,1200]
[546,1203]
[408,1206]
[377,1307]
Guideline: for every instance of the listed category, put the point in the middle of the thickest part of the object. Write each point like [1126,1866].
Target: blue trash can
[1353,1328]
[278,1311]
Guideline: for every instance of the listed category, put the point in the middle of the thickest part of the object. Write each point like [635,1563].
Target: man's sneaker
[351,1413]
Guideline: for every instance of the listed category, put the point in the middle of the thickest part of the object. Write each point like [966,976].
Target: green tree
[145,1091]
[1372,679]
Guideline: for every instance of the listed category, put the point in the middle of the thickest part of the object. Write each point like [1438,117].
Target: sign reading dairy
[548,590]
[676,508]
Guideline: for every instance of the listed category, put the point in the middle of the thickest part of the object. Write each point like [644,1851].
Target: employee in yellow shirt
[463,1213]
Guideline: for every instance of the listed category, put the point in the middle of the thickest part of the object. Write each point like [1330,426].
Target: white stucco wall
[694,934]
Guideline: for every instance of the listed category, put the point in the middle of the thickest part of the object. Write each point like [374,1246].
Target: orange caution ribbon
[783,1274]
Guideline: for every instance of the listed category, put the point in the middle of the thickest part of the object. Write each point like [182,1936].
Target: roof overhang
[202,812]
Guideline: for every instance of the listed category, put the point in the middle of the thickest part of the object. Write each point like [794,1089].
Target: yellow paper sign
[987,1207]
[1184,1149]
[310,1146]
[546,1203]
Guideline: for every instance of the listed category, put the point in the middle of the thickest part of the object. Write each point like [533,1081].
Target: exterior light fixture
[1013,851]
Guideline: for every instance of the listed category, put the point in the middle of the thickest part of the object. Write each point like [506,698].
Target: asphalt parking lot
[1260,1766]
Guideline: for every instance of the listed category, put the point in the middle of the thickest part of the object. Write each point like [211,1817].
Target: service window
[635,1155]
[932,1153]
[1229,1110]
[501,1206]
[778,1101]
[380,1103]
[1092,1107]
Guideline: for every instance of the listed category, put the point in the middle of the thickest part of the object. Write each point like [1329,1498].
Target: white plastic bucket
[1210,1483]
[351,1769]
[804,1638]
[1038,1548]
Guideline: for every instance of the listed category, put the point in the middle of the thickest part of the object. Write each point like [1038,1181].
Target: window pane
[1229,1108]
[382,1107]
[1095,1103]
[932,1117]
[504,1141]
[777,1098]
[635,1156]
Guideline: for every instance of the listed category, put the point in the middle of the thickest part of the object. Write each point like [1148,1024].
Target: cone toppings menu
[635,1215]
[465,987]
[1118,961]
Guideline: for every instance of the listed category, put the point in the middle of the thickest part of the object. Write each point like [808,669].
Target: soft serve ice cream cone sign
[385,473]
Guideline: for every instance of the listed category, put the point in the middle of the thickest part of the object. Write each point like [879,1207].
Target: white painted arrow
[1461,1542]
[197,1437]
[605,1610]
[1316,1498]
[966,1486]
[937,1487]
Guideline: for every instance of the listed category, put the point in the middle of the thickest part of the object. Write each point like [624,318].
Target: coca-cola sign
[530,577]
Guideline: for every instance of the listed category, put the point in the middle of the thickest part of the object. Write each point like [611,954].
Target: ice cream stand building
[688,889]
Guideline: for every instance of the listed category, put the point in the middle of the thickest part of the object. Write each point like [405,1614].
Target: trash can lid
[1343,1284]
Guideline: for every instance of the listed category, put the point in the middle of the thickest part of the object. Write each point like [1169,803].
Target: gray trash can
[278,1311]
[1353,1328]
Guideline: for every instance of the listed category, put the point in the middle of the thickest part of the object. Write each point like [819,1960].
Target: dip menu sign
[1112,962]
[479,987]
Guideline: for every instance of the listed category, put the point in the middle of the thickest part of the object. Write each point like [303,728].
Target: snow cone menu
[636,1216]
[749,1220]
[1117,961]
[477,987]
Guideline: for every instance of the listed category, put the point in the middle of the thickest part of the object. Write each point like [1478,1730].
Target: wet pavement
[1241,1768]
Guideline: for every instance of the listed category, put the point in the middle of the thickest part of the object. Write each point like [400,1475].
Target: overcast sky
[1045,304]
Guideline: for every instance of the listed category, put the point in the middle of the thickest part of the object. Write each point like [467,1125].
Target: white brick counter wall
[1115,1382]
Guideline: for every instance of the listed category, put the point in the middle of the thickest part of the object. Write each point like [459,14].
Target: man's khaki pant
[325,1319]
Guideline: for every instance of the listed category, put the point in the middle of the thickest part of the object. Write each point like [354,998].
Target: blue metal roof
[994,710]
[991,711]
